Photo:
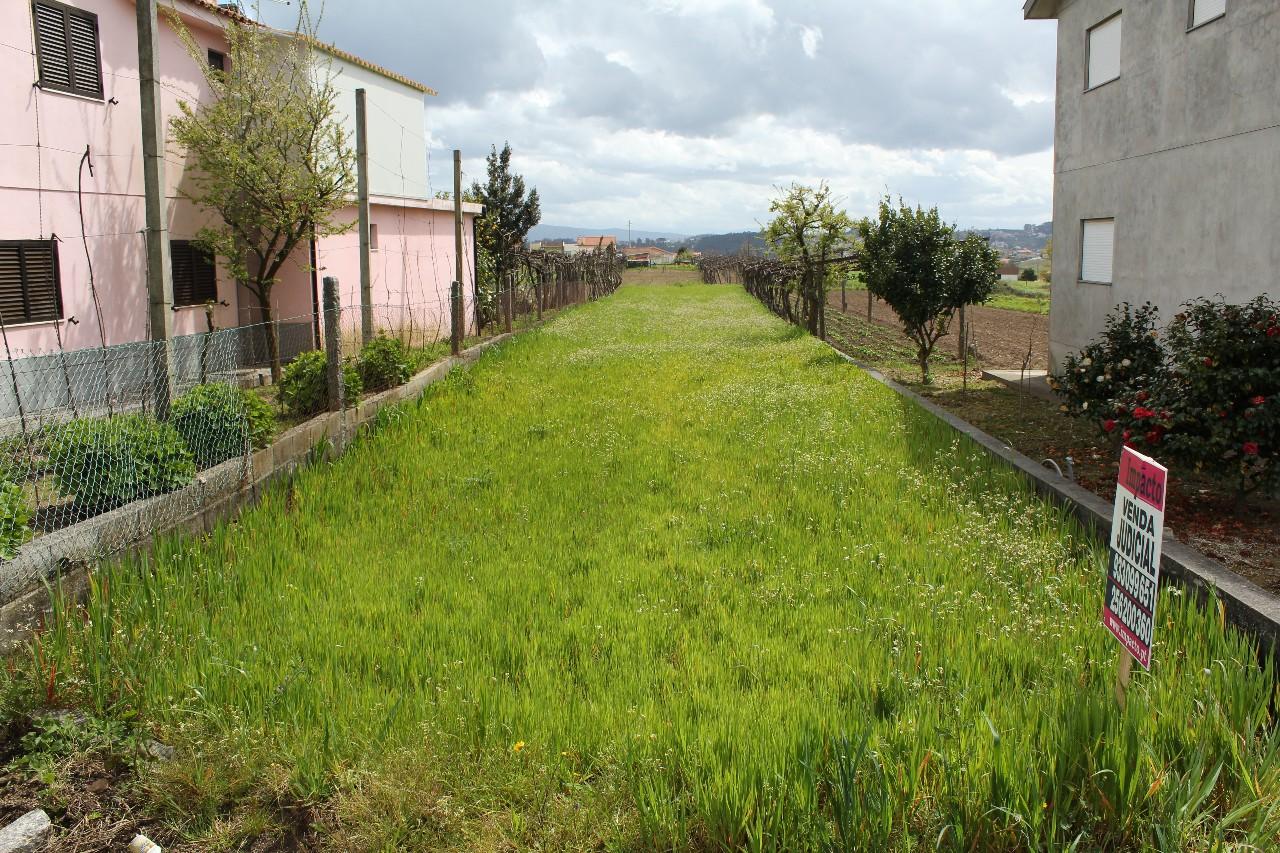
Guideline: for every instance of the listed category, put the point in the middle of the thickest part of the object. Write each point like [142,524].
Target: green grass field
[663,574]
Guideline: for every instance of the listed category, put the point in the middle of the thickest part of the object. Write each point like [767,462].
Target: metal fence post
[333,344]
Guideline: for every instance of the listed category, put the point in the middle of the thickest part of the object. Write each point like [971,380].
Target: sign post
[1133,574]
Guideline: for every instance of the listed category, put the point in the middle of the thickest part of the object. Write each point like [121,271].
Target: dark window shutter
[195,277]
[67,49]
[29,291]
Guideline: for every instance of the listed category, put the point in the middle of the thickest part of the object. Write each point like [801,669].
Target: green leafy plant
[913,262]
[110,462]
[1104,381]
[1204,398]
[304,386]
[1222,391]
[15,519]
[219,422]
[1028,274]
[383,363]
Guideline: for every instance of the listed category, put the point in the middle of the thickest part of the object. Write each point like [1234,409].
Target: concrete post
[159,270]
[362,206]
[333,344]
[456,314]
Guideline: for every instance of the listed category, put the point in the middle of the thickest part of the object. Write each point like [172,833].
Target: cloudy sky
[683,115]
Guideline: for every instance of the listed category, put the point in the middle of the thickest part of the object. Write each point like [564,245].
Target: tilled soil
[1003,339]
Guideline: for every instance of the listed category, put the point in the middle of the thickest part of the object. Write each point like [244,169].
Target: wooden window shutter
[195,277]
[67,49]
[29,288]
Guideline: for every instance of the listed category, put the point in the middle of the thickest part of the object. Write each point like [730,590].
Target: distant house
[547,246]
[597,244]
[1009,272]
[1166,156]
[74,164]
[652,255]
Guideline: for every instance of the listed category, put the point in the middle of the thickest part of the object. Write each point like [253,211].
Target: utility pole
[362,205]
[159,272]
[456,306]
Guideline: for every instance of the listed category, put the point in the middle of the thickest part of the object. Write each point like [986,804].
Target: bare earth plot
[662,574]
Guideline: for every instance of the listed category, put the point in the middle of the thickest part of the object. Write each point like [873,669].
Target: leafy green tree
[509,213]
[1029,274]
[913,262]
[269,155]
[1046,269]
[808,229]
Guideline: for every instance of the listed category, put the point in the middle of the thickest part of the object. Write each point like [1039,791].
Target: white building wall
[396,118]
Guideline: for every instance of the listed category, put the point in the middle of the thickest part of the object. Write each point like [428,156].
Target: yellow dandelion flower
[517,746]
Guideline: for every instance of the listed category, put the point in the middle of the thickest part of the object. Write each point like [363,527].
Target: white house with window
[1167,156]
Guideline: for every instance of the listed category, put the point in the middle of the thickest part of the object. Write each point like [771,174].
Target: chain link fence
[96,434]
[104,447]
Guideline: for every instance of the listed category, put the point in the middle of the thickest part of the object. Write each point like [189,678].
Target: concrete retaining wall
[218,494]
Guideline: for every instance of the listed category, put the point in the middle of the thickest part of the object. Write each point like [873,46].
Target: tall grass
[665,573]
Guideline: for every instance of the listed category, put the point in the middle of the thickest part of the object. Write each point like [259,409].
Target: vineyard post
[455,340]
[333,344]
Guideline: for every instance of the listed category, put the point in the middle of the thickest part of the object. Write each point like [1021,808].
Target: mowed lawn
[665,574]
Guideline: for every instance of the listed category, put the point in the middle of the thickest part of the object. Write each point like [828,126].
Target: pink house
[71,188]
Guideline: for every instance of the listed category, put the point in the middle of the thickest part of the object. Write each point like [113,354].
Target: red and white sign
[1133,574]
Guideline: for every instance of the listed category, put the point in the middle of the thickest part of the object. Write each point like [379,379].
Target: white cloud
[684,114]
[810,41]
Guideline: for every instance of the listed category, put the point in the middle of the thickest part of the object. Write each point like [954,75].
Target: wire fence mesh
[91,438]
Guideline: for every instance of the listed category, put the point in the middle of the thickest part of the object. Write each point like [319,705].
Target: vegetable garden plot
[668,573]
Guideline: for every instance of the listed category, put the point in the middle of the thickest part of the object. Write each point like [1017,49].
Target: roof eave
[1040,9]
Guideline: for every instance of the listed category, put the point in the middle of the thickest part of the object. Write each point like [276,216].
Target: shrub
[218,422]
[1028,274]
[111,462]
[1208,399]
[1223,390]
[15,519]
[383,363]
[304,388]
[1105,379]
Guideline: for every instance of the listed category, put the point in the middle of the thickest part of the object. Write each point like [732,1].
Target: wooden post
[333,344]
[362,206]
[159,271]
[1123,672]
[509,300]
[869,298]
[456,325]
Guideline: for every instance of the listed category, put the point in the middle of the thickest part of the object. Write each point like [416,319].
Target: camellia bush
[1204,394]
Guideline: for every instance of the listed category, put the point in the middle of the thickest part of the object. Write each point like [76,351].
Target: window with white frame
[1204,11]
[1104,52]
[1097,250]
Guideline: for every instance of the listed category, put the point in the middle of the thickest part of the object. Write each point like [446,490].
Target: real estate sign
[1133,578]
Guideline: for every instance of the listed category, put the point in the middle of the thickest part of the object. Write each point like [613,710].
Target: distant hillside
[1031,237]
[567,232]
[727,244]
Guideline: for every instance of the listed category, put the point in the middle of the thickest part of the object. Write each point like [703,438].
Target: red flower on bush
[1222,414]
[1109,425]
[1125,435]
[1153,437]
[1143,396]
[1250,448]
[1273,331]
[1208,362]
[1143,413]
[1258,400]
